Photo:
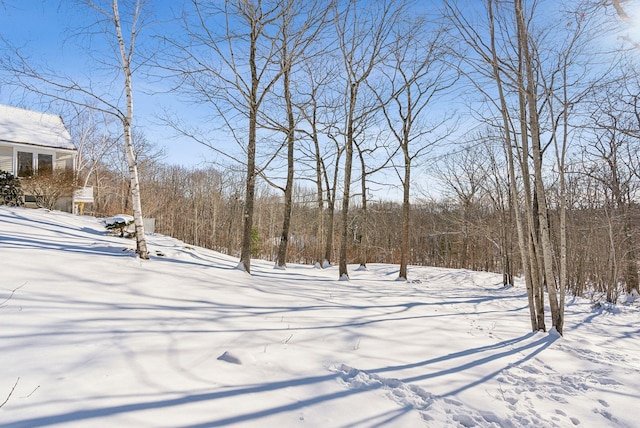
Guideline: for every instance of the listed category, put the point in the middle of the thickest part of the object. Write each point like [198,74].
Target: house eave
[44,146]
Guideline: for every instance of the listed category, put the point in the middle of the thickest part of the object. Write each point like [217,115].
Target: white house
[31,141]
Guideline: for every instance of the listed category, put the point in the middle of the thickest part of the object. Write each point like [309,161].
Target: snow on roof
[31,127]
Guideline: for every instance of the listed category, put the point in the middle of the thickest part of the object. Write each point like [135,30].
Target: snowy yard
[92,336]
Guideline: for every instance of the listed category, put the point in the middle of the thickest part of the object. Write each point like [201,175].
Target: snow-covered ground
[90,335]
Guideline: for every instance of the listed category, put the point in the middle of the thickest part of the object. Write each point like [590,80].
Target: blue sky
[44,31]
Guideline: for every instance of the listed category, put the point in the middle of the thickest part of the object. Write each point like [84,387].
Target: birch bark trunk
[126,56]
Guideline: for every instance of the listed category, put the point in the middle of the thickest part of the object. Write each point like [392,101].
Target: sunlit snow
[91,335]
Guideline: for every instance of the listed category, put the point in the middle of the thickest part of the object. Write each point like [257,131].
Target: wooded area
[510,131]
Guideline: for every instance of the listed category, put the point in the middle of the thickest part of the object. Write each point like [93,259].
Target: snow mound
[118,219]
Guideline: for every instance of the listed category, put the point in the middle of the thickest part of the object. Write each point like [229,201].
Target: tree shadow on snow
[517,346]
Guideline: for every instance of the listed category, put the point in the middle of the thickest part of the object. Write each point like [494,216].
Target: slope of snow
[90,335]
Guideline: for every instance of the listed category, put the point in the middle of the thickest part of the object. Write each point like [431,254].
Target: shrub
[48,187]
[256,246]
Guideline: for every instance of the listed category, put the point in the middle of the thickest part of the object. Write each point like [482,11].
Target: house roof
[34,128]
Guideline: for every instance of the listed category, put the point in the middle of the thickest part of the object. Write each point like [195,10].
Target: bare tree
[92,139]
[330,176]
[417,70]
[464,176]
[529,86]
[229,61]
[496,189]
[317,109]
[529,82]
[567,82]
[362,33]
[300,25]
[368,148]
[610,158]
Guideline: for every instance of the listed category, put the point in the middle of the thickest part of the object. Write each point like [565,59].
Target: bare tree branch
[10,392]
[12,293]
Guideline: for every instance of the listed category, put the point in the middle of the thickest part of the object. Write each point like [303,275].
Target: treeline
[203,207]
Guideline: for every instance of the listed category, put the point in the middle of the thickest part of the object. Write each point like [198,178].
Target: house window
[25,164]
[45,164]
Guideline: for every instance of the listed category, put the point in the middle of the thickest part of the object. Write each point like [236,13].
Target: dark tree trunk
[343,273]
[288,191]
[406,210]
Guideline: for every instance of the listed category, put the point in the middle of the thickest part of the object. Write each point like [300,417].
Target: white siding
[6,159]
